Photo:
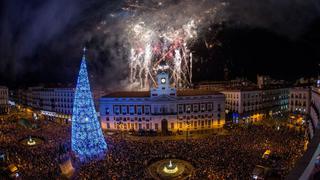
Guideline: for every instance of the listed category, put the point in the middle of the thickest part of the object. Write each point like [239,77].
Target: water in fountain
[31,141]
[170,168]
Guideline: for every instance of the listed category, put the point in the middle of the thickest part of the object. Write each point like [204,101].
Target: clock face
[163,80]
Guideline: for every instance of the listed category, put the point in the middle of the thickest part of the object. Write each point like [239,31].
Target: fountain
[170,168]
[31,142]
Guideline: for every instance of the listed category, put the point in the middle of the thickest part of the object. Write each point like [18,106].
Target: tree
[86,138]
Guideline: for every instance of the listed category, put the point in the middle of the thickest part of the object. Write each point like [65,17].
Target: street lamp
[188,123]
[120,128]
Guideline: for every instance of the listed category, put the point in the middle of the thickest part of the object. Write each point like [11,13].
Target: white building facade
[163,109]
[299,100]
[52,103]
[254,104]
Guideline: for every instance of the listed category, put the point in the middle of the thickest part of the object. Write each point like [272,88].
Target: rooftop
[254,88]
[193,92]
[128,94]
[189,92]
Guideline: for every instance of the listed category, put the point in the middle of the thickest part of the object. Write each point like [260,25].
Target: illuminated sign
[48,113]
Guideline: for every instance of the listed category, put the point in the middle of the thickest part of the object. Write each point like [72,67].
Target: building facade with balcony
[163,109]
[254,104]
[299,100]
[308,166]
[52,103]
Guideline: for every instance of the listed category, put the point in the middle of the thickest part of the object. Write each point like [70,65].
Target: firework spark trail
[162,45]
[157,35]
[173,55]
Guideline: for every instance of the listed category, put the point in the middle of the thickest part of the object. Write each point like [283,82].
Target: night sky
[41,40]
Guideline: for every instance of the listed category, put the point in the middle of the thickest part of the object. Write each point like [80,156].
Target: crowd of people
[39,162]
[230,156]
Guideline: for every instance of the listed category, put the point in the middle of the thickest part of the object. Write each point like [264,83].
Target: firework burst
[157,36]
[161,46]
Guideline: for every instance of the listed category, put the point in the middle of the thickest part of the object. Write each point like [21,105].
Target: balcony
[164,113]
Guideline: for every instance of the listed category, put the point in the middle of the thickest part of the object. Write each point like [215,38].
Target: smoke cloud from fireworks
[50,35]
[154,33]
[157,38]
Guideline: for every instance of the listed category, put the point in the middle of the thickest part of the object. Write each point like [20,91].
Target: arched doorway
[164,126]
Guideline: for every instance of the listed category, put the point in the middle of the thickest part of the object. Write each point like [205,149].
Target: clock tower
[163,86]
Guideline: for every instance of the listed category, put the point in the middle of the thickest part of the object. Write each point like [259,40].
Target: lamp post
[187,133]
[120,128]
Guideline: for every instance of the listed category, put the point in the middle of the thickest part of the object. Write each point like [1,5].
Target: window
[180,108]
[209,107]
[163,109]
[146,109]
[155,109]
[124,109]
[195,108]
[156,126]
[131,110]
[172,125]
[172,109]
[202,107]
[139,110]
[116,110]
[188,108]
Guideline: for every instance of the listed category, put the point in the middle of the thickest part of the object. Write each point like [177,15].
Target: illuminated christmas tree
[87,139]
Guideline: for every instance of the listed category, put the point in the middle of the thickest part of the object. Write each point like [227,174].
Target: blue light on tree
[86,138]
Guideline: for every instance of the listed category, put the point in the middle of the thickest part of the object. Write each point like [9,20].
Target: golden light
[170,168]
[266,154]
[13,168]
